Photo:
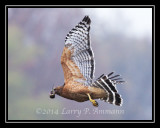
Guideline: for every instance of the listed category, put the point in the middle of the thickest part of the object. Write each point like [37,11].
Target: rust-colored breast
[78,92]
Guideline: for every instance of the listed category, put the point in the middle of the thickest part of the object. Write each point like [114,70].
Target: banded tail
[108,83]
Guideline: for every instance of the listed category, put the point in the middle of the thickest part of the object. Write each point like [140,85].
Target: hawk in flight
[78,65]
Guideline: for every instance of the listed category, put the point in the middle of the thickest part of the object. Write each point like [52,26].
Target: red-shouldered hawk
[78,66]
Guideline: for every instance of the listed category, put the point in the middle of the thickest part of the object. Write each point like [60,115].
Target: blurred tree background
[121,41]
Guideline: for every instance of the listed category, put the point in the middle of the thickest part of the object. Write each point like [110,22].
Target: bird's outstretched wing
[77,58]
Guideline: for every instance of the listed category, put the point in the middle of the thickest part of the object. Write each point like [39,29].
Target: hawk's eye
[52,94]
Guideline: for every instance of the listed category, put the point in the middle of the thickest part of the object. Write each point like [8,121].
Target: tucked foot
[95,103]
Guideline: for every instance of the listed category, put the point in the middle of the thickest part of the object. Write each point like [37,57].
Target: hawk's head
[57,90]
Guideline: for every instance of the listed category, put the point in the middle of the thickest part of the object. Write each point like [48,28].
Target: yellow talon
[95,103]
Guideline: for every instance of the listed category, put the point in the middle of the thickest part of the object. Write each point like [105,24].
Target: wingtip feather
[87,19]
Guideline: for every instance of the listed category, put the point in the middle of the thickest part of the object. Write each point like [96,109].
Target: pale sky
[135,21]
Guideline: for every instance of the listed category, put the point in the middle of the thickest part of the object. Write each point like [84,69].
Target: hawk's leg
[95,103]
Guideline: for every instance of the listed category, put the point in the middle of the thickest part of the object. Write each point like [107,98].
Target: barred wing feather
[78,42]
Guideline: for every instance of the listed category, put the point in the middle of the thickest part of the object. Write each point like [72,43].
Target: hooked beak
[52,93]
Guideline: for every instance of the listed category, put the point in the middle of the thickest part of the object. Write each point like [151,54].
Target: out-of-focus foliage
[35,43]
